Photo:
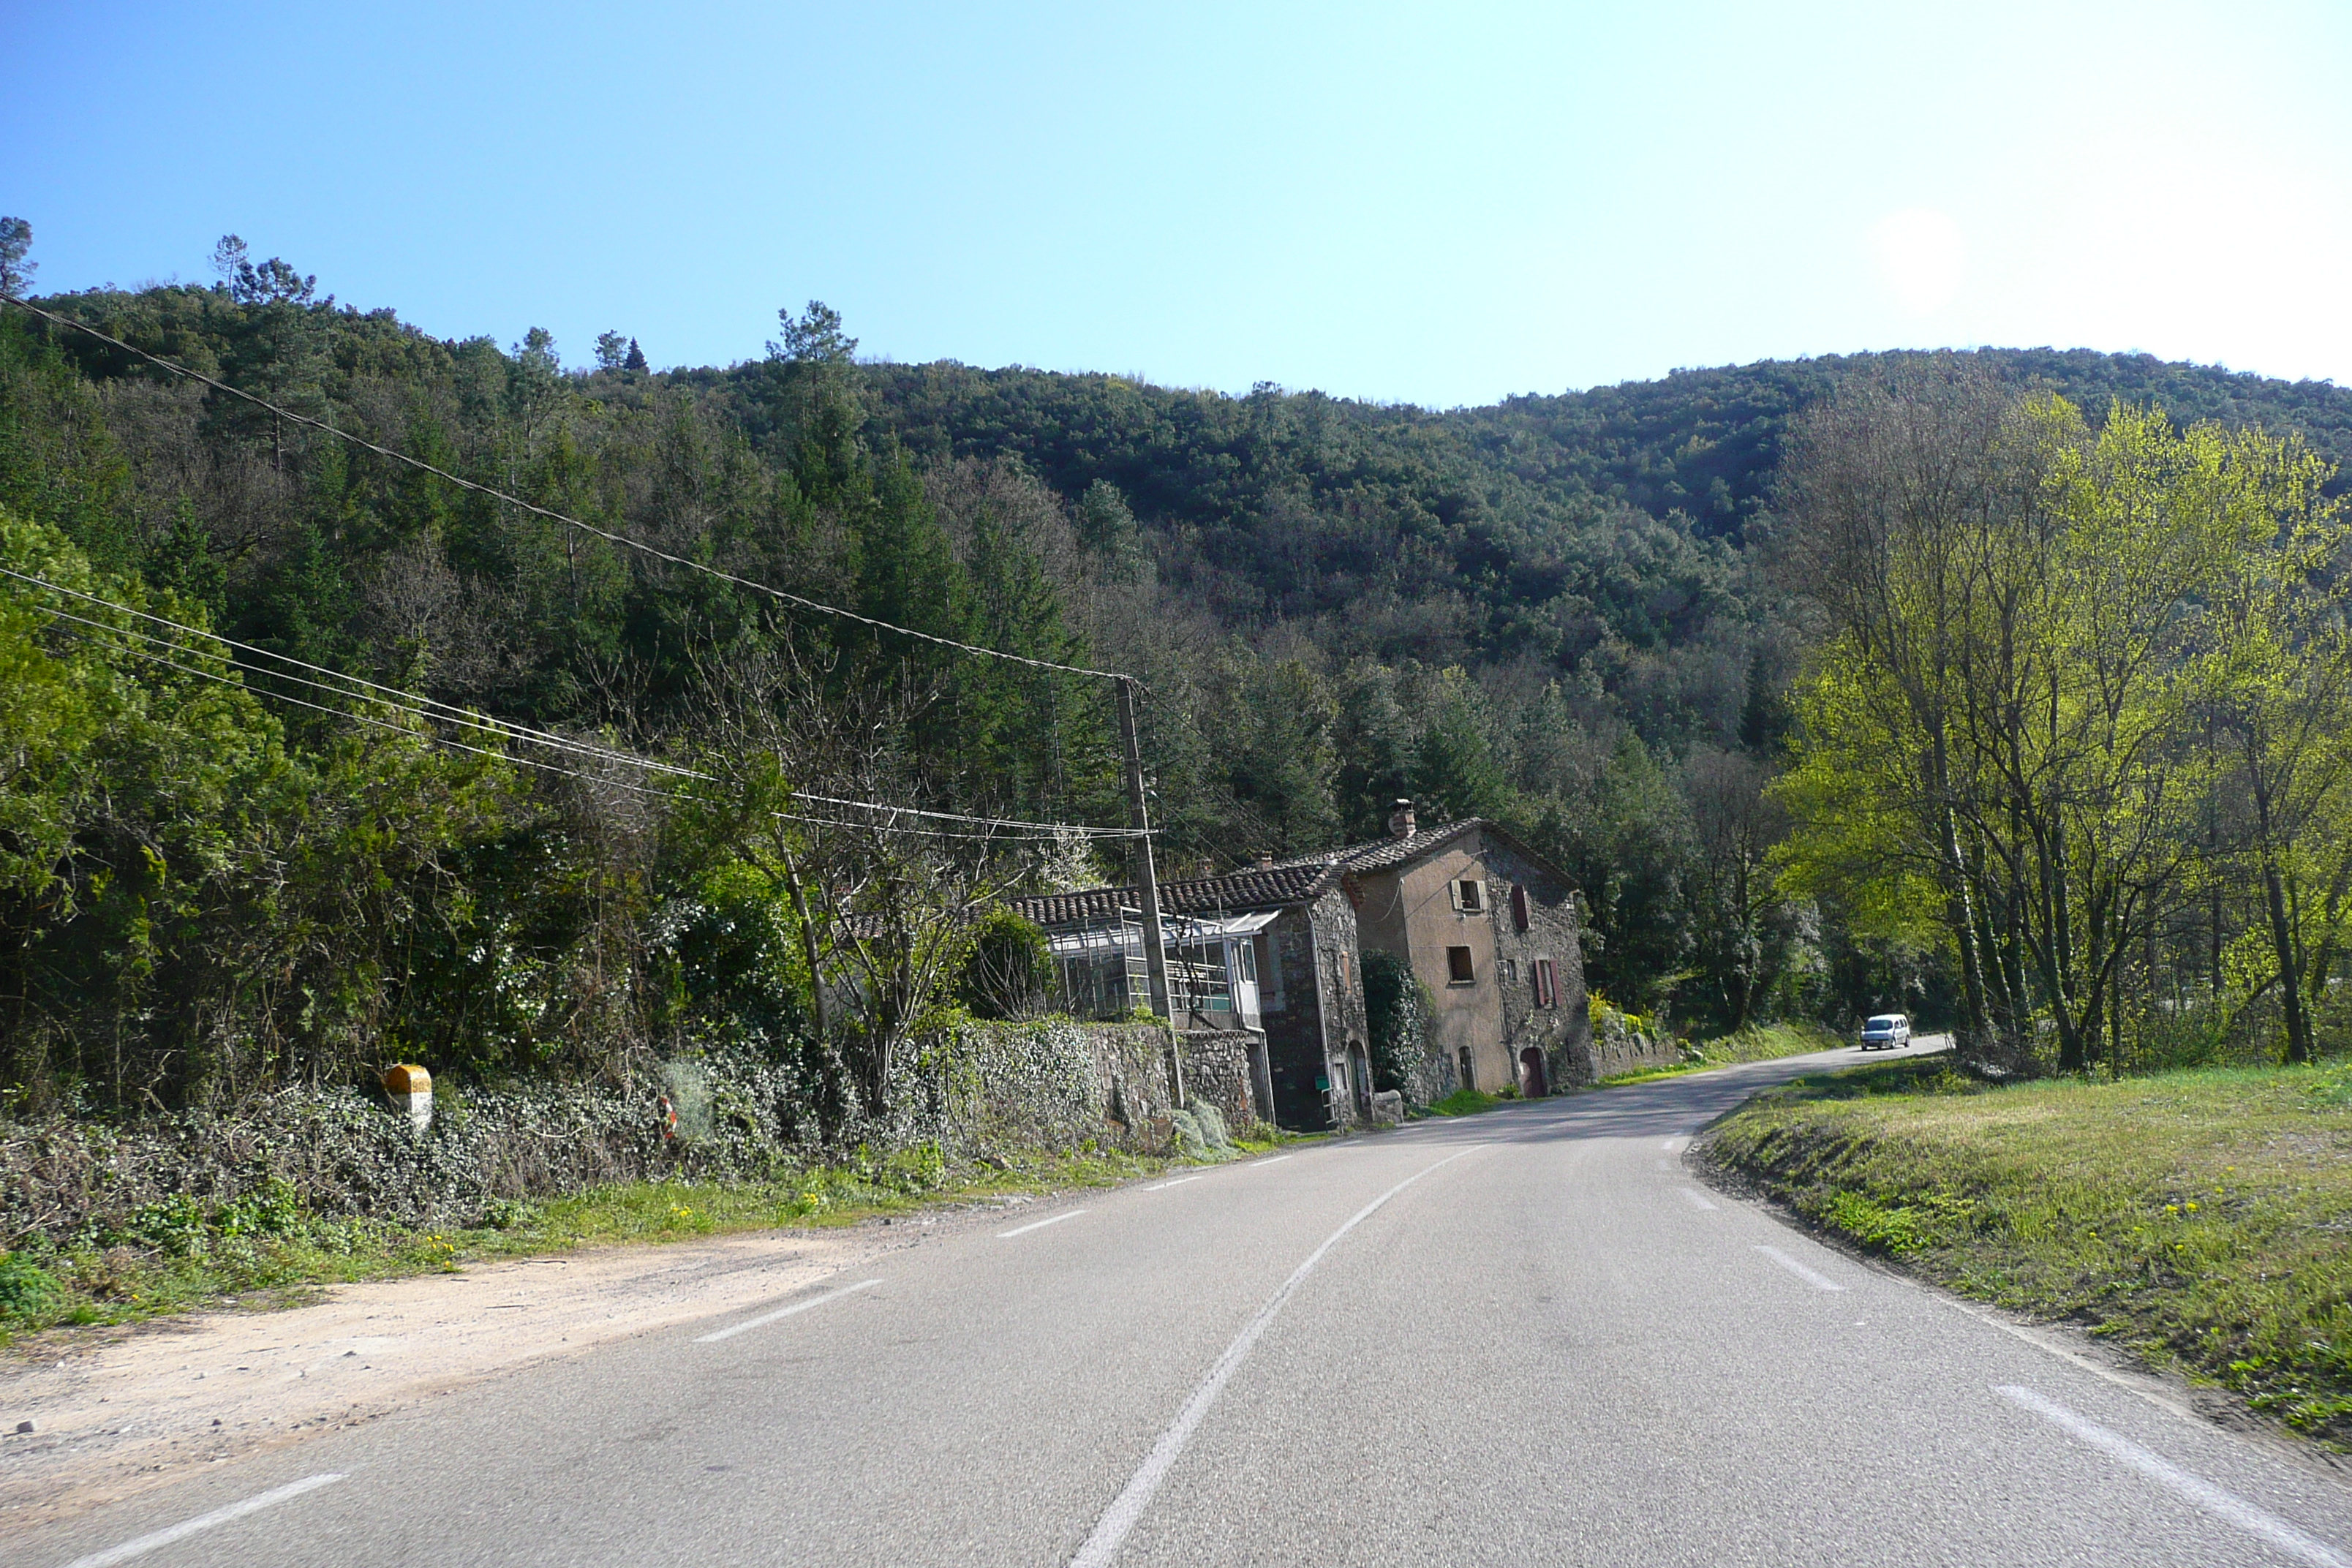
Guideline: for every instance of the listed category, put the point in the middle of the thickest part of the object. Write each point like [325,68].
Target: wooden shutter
[1519,906]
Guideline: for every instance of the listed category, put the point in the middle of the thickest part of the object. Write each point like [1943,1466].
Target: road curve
[1524,1337]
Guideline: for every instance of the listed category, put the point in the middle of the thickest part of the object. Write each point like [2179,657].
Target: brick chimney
[1401,823]
[1266,859]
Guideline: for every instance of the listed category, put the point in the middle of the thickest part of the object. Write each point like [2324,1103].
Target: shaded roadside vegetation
[2199,1218]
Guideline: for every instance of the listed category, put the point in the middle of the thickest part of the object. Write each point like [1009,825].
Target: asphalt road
[1527,1337]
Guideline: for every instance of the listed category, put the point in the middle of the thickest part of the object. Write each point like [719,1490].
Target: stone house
[1485,923]
[1489,929]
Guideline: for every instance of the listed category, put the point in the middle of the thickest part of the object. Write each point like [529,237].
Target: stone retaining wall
[976,1089]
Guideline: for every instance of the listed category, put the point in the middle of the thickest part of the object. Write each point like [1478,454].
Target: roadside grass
[2203,1218]
[1757,1043]
[1466,1102]
[261,1255]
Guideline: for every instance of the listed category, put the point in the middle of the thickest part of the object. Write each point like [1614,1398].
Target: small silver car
[1885,1029]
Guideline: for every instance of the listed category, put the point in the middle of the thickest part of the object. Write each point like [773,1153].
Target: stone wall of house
[1217,1071]
[1339,954]
[1562,1032]
[1313,948]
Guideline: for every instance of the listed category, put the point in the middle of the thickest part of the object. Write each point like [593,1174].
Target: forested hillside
[1552,610]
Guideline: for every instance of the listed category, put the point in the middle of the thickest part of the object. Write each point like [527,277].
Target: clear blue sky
[1441,205]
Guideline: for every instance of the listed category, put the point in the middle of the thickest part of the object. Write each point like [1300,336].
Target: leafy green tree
[15,272]
[1278,758]
[1455,772]
[2276,674]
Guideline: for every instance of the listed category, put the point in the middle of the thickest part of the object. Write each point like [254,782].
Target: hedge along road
[1520,1337]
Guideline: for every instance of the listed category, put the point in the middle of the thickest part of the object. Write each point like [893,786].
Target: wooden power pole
[1155,947]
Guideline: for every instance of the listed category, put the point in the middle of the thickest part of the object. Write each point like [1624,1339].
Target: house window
[1507,971]
[1519,906]
[1458,971]
[1546,983]
[1470,896]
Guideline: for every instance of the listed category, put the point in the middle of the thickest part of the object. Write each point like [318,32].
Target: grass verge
[1757,1043]
[1466,1102]
[2198,1217]
[266,1253]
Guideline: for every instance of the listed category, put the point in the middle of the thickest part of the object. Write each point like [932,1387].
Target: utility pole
[1155,947]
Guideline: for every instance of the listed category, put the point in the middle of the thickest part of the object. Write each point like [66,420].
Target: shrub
[1396,1012]
[1010,971]
[26,1287]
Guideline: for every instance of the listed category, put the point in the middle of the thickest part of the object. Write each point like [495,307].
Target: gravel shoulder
[120,1411]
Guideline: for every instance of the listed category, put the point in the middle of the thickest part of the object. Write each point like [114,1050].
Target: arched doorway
[1532,1083]
[1360,1078]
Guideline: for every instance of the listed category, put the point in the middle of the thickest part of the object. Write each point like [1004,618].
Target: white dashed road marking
[1695,1201]
[1036,1224]
[1814,1277]
[186,1528]
[766,1318]
[1110,1530]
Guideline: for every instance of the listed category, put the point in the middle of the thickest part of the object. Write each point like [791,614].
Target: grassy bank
[2201,1218]
[268,1253]
[1757,1043]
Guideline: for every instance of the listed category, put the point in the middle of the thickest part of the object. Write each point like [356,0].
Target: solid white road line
[186,1528]
[764,1319]
[1253,1164]
[2223,1505]
[1163,1186]
[1812,1277]
[1695,1201]
[1036,1224]
[1110,1530]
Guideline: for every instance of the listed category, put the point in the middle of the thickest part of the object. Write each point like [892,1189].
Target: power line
[420,707]
[453,713]
[550,767]
[606,534]
[488,726]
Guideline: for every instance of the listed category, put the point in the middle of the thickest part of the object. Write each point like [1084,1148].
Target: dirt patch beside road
[116,1414]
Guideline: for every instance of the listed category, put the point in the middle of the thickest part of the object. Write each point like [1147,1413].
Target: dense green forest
[1562,611]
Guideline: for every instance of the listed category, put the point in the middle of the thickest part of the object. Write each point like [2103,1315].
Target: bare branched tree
[885,903]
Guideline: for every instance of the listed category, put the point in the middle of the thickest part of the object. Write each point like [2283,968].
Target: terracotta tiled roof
[1250,889]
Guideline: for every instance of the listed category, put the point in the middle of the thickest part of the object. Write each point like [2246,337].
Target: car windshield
[1884,1021]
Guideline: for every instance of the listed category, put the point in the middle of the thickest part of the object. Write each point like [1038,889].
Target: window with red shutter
[1547,986]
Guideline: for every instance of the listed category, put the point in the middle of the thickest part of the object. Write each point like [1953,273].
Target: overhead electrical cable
[602,783]
[458,717]
[433,710]
[607,534]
